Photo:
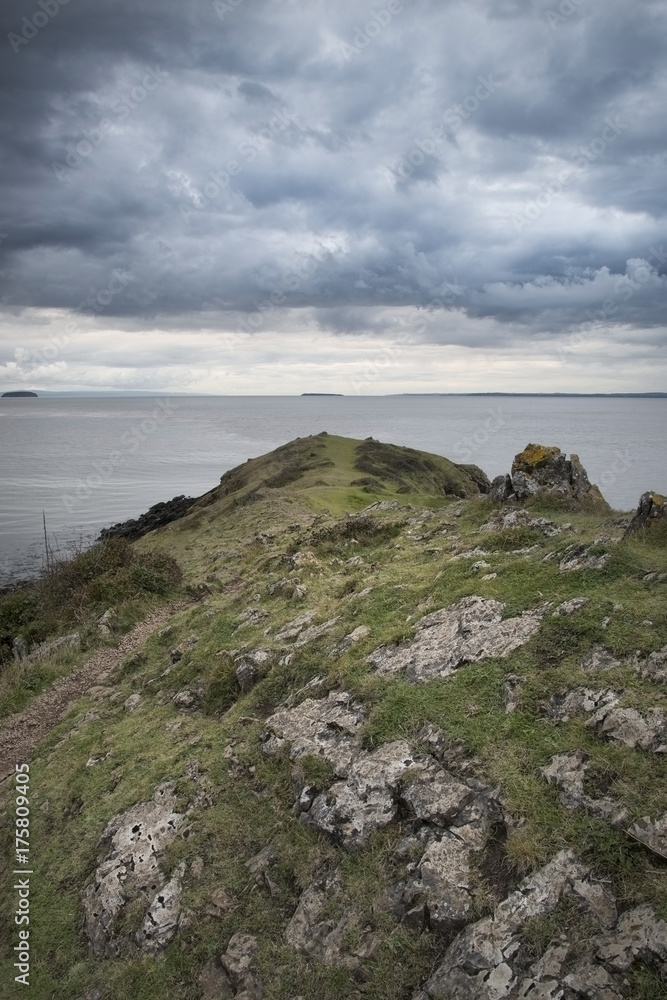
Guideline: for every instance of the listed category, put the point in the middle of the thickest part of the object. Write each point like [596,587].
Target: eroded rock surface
[568,772]
[325,728]
[519,518]
[472,629]
[485,961]
[578,557]
[651,512]
[138,839]
[653,833]
[311,933]
[539,470]
[579,701]
[628,726]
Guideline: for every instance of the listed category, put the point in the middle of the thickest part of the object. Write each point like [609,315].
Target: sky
[285,196]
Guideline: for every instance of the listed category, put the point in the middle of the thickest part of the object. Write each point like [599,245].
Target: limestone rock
[366,801]
[653,833]
[294,628]
[571,607]
[654,667]
[238,963]
[324,939]
[599,658]
[511,692]
[325,728]
[579,701]
[578,557]
[478,965]
[651,512]
[161,920]
[567,772]
[132,703]
[315,631]
[501,520]
[471,630]
[628,726]
[349,640]
[138,839]
[545,471]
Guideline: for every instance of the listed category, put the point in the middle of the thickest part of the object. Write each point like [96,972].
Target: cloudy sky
[278,196]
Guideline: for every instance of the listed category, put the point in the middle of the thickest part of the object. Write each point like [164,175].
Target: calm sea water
[88,463]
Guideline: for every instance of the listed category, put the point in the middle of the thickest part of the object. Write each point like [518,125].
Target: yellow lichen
[533,455]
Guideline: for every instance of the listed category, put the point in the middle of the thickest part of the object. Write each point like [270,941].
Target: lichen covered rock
[650,515]
[472,629]
[540,470]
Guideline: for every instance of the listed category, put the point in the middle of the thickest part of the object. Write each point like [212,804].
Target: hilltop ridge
[401,738]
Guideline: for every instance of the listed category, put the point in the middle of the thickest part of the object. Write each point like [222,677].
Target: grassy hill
[307,573]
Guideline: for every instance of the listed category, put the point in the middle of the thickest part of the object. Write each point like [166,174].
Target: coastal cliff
[388,731]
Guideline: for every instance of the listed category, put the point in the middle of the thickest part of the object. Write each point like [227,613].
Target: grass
[235,547]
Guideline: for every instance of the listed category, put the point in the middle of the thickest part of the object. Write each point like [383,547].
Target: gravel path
[20,733]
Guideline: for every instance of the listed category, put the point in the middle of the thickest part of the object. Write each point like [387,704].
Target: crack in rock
[470,630]
[484,962]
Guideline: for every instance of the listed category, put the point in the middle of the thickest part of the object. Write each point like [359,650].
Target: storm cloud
[268,195]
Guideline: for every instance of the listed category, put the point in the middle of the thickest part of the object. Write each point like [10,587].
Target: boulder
[545,471]
[650,515]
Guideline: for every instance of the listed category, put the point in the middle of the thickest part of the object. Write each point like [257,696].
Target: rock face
[138,839]
[651,513]
[470,630]
[545,471]
[155,517]
[484,962]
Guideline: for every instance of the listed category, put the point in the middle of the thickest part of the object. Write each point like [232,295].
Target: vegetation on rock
[329,765]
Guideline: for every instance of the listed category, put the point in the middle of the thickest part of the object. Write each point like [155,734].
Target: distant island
[18,392]
[321,393]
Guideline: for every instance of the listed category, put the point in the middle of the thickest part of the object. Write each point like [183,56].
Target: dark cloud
[172,160]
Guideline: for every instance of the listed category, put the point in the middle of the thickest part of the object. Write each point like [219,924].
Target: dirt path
[20,733]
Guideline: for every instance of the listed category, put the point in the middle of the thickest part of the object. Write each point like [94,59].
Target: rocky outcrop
[650,515]
[577,557]
[138,839]
[158,515]
[579,701]
[545,471]
[629,727]
[486,961]
[473,629]
[502,520]
[311,933]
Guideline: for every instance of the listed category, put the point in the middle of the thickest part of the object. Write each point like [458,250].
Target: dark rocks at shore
[651,514]
[158,515]
[540,471]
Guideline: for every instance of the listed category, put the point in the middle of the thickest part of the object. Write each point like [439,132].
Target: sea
[74,465]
